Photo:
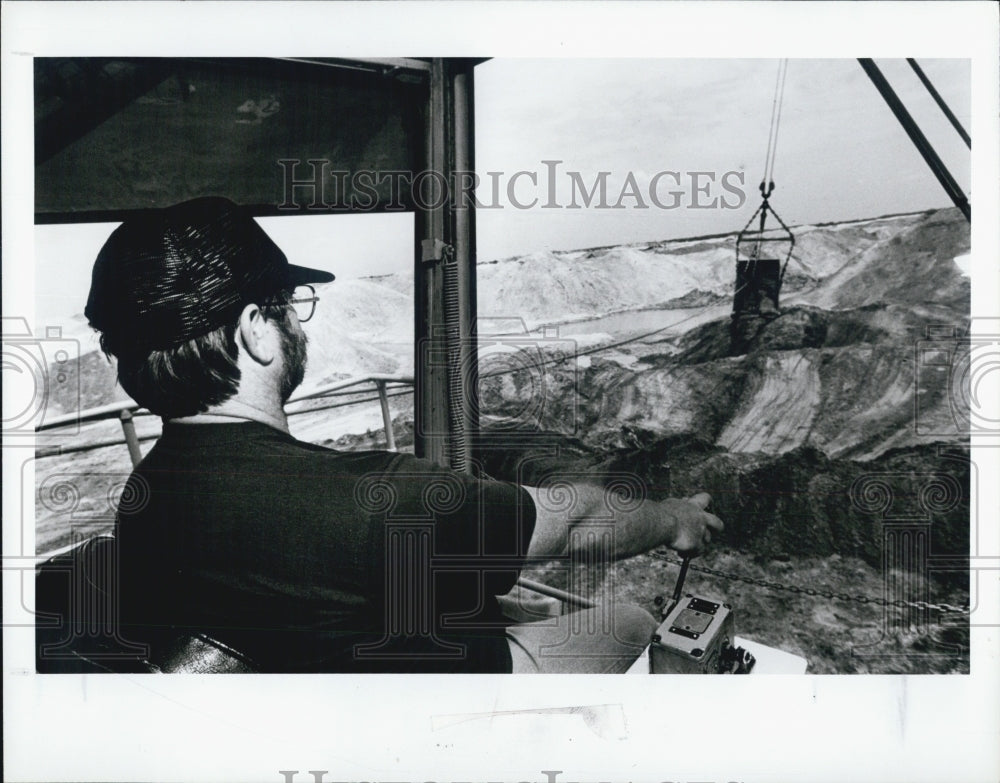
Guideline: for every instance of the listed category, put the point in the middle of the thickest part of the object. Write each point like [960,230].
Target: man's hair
[188,378]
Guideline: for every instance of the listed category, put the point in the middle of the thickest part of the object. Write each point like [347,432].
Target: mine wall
[822,437]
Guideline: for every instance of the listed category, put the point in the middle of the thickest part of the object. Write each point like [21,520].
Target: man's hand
[693,526]
[683,525]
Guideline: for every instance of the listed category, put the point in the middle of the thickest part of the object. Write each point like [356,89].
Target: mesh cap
[173,274]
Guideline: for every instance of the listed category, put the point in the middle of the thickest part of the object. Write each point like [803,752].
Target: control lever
[667,608]
[680,580]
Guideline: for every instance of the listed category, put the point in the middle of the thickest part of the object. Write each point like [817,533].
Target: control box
[697,636]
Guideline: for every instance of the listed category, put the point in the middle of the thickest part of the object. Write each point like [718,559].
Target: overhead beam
[282,137]
[917,137]
[940,102]
[74,96]
[370,64]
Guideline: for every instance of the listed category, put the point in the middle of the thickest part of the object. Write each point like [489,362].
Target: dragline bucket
[761,258]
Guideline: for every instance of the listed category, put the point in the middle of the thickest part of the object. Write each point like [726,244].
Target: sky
[840,155]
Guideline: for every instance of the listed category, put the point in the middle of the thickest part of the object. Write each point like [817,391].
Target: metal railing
[385,386]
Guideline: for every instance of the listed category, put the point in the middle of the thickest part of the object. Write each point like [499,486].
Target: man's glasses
[303,299]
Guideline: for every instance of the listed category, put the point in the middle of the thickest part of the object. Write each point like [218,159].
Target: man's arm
[683,525]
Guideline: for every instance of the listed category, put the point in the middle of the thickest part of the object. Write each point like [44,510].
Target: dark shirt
[310,559]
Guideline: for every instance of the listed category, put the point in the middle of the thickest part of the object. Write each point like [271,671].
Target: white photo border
[249,728]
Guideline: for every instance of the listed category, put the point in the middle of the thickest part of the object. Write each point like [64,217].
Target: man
[305,558]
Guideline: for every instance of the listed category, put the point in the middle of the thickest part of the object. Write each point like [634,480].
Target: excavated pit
[835,432]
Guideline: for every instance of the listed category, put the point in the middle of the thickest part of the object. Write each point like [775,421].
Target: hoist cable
[772,132]
[770,127]
[783,71]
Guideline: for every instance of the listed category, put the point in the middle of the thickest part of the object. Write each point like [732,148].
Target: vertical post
[444,277]
[465,247]
[390,438]
[430,381]
[131,439]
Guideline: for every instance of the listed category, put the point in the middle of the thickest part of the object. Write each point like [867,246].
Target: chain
[813,592]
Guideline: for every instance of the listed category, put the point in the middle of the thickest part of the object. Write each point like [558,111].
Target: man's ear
[255,335]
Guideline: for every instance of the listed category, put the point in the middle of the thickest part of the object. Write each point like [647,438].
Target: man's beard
[293,354]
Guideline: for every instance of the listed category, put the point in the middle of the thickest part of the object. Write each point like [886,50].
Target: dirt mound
[912,266]
[846,382]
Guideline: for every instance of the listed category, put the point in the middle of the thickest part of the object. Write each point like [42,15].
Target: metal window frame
[446,409]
